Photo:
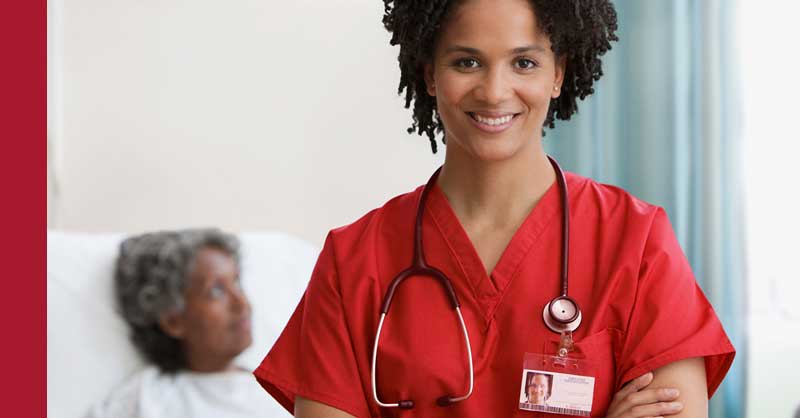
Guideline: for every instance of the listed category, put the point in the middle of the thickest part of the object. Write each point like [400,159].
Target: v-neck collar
[488,289]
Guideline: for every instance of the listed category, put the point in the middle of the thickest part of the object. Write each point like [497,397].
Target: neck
[205,363]
[495,193]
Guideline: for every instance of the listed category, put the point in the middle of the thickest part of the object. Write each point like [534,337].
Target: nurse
[489,75]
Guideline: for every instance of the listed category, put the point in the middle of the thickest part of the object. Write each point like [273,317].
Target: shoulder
[616,218]
[360,235]
[123,401]
[608,202]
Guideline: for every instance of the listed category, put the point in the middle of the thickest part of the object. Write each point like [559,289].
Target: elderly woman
[180,294]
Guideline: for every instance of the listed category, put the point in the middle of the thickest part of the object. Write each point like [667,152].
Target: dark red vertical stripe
[23,104]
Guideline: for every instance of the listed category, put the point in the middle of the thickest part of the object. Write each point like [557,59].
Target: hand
[634,401]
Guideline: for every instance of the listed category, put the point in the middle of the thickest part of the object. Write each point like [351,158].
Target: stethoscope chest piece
[562,314]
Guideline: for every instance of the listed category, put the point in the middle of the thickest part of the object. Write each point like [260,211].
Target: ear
[430,82]
[561,68]
[173,324]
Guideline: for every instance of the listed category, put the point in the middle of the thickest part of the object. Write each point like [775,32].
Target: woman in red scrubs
[490,74]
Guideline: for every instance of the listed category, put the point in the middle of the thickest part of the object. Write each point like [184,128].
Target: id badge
[558,384]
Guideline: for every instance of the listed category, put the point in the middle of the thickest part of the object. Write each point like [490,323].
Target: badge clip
[565,346]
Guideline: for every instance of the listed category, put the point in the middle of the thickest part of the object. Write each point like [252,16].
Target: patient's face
[216,320]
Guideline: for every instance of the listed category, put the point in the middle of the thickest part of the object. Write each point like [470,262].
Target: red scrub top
[642,307]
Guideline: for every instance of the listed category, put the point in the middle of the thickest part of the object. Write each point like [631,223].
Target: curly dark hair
[579,30]
[150,280]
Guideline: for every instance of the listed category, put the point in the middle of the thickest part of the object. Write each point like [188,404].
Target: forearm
[689,377]
[306,408]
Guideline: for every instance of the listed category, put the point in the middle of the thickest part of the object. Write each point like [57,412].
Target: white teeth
[491,121]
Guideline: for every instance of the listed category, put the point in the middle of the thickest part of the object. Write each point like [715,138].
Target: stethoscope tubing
[419,267]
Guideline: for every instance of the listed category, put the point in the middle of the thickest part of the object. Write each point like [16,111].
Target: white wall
[772,204]
[249,114]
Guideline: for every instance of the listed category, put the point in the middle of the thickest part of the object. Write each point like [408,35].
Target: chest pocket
[599,349]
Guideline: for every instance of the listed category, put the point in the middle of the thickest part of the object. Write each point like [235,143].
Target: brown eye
[467,63]
[526,64]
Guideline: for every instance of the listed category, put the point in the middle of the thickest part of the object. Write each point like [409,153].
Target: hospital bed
[88,351]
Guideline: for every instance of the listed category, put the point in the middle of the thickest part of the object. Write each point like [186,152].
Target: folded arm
[689,377]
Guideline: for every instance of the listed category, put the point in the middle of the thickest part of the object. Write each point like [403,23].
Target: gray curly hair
[150,280]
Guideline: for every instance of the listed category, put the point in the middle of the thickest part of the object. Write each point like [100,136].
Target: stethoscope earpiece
[445,400]
[407,404]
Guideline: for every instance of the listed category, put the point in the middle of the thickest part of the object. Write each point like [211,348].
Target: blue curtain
[662,124]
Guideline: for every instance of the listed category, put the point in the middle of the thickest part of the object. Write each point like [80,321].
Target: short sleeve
[313,357]
[671,318]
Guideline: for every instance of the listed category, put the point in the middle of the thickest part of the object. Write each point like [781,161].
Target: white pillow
[275,271]
[88,349]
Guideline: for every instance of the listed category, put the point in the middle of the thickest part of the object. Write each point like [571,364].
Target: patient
[180,295]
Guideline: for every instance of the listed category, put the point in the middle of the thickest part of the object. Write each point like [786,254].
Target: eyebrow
[475,51]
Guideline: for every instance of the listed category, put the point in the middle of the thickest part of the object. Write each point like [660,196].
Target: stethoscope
[560,314]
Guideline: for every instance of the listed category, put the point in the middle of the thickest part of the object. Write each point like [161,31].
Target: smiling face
[493,75]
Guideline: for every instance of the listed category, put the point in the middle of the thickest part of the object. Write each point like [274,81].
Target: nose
[239,302]
[495,86]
